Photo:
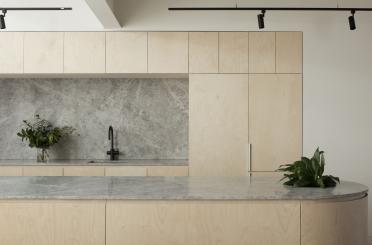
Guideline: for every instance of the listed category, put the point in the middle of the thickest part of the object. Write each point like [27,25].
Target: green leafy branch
[308,172]
[40,133]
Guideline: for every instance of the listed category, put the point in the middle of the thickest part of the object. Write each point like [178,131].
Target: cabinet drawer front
[42,171]
[10,171]
[125,171]
[168,171]
[84,171]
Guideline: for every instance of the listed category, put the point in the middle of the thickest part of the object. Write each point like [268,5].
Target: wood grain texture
[262,52]
[84,52]
[43,52]
[126,52]
[11,49]
[125,171]
[218,124]
[84,171]
[80,223]
[42,171]
[203,54]
[10,171]
[289,52]
[168,52]
[275,120]
[334,223]
[200,223]
[233,52]
[168,171]
[52,222]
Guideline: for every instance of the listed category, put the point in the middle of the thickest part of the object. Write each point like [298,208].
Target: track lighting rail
[266,8]
[34,9]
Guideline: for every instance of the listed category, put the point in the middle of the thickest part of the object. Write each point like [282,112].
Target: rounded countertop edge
[170,188]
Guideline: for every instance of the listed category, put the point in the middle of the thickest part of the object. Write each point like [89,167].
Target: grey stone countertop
[129,162]
[168,188]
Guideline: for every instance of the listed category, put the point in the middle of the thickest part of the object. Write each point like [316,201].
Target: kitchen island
[178,211]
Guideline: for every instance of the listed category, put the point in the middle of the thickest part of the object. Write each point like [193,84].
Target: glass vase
[42,155]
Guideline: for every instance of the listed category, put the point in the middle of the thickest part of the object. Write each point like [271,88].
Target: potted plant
[308,172]
[41,134]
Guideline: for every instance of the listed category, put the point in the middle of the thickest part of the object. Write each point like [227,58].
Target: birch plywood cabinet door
[218,125]
[11,48]
[275,120]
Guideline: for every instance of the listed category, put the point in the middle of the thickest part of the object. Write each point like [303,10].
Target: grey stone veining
[130,162]
[150,116]
[167,188]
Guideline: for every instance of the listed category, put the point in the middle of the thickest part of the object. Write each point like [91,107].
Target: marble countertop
[137,162]
[168,188]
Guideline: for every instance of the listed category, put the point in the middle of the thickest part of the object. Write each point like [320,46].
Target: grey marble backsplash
[149,116]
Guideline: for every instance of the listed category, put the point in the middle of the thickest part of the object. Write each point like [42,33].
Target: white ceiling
[136,14]
[80,18]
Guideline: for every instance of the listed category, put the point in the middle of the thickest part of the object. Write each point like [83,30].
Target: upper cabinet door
[126,52]
[289,52]
[11,49]
[218,125]
[168,52]
[233,52]
[262,52]
[275,120]
[203,52]
[43,52]
[84,52]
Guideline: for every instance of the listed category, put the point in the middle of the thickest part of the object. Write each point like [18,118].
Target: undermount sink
[108,161]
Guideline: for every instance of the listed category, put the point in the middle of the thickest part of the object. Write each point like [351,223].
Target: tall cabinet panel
[275,119]
[218,125]
[84,52]
[11,49]
[43,52]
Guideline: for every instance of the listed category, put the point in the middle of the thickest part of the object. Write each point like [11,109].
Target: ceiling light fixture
[261,19]
[261,22]
[352,20]
[5,10]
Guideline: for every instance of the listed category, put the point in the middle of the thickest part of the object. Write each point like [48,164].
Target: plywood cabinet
[289,52]
[84,52]
[203,56]
[43,52]
[233,52]
[183,223]
[262,52]
[275,120]
[168,52]
[218,125]
[334,223]
[52,223]
[126,52]
[11,49]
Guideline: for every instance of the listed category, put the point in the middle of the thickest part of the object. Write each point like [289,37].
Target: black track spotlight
[2,20]
[352,21]
[261,19]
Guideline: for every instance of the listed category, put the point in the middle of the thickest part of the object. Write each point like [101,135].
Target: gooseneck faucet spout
[112,152]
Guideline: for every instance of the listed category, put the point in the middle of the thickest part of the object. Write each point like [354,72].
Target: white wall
[337,69]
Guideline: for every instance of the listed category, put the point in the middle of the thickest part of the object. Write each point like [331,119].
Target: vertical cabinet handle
[249,158]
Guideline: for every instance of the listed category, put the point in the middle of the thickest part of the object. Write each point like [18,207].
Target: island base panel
[204,222]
